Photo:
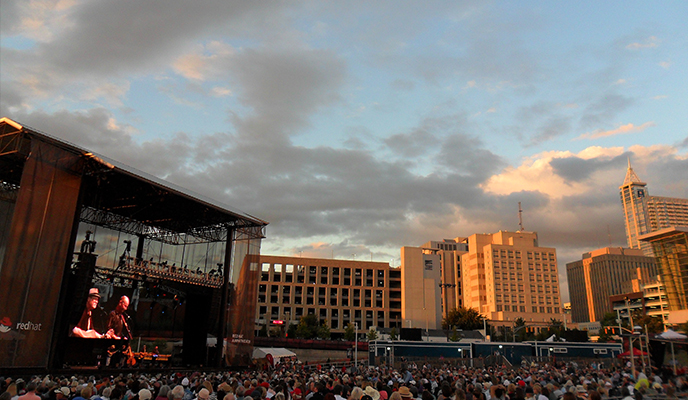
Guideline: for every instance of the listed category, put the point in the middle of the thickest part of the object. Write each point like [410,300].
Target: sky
[355,128]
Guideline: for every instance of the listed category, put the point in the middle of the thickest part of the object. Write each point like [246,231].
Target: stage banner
[37,249]
[243,300]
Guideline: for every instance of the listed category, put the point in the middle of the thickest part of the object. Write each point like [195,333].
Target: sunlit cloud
[219,91]
[621,130]
[205,62]
[536,174]
[649,43]
[665,64]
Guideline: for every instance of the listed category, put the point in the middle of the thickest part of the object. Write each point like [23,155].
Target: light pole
[356,345]
[630,338]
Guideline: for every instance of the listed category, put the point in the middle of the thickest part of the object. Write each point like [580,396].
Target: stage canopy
[50,188]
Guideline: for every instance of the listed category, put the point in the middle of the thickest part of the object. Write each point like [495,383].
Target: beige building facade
[507,275]
[603,273]
[338,292]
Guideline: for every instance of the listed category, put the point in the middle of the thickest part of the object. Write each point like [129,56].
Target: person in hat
[62,393]
[370,391]
[93,321]
[405,393]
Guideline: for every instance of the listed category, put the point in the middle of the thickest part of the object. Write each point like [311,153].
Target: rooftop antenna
[609,236]
[520,217]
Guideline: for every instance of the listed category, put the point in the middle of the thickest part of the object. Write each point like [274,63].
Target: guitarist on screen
[118,323]
[92,323]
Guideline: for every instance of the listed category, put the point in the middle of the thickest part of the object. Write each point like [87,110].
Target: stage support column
[224,295]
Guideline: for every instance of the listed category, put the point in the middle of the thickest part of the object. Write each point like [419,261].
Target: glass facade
[671,252]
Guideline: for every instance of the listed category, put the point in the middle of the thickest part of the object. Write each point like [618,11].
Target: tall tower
[634,198]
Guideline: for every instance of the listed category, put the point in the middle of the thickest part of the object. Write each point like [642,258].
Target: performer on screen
[93,322]
[118,323]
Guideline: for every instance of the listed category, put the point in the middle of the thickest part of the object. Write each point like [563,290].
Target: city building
[338,292]
[648,296]
[670,246]
[504,276]
[644,213]
[431,282]
[507,275]
[602,273]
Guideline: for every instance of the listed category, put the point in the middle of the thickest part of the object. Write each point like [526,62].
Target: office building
[508,275]
[649,297]
[644,213]
[431,282]
[602,273]
[670,246]
[338,292]
[504,276]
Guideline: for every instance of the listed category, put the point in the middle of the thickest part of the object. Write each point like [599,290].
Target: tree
[324,330]
[308,327]
[350,332]
[455,336]
[654,324]
[520,330]
[555,328]
[372,335]
[291,331]
[608,321]
[393,335]
[462,318]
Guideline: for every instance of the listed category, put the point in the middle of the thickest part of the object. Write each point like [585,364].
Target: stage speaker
[196,324]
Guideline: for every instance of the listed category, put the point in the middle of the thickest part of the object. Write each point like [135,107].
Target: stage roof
[123,198]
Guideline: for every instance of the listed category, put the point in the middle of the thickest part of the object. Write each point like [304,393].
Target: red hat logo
[5,325]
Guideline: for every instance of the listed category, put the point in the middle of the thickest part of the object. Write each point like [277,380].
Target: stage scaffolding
[49,188]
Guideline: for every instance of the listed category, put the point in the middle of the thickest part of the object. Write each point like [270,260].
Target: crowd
[563,381]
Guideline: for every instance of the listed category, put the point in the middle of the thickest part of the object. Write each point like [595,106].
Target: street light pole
[630,339]
[356,346]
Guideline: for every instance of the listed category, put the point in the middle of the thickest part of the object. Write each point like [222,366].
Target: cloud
[621,130]
[543,173]
[219,91]
[650,42]
[660,97]
[665,64]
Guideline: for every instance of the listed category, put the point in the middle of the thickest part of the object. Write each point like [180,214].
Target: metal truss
[203,234]
[250,232]
[214,233]
[148,270]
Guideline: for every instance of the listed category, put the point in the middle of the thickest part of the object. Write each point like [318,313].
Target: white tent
[672,335]
[276,352]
